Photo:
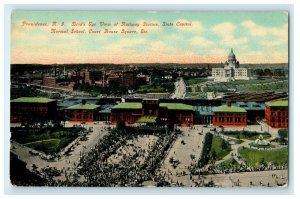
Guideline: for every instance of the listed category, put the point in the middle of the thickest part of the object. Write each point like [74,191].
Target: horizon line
[140,63]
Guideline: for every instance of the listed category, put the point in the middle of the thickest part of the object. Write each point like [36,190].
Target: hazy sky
[256,37]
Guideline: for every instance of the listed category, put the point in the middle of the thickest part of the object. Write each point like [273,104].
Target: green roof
[147,119]
[278,103]
[83,107]
[176,106]
[231,109]
[32,100]
[128,105]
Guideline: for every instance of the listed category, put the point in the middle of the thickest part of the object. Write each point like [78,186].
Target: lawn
[196,81]
[48,140]
[229,163]
[50,146]
[256,157]
[249,85]
[214,148]
[219,148]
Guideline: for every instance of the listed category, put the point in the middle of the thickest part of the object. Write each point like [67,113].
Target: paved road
[180,90]
[189,143]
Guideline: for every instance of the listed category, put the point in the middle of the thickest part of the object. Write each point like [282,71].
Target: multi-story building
[152,111]
[92,76]
[82,112]
[277,113]
[32,109]
[49,81]
[231,71]
[229,116]
[128,79]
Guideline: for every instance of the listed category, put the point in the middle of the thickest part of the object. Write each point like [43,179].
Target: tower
[231,58]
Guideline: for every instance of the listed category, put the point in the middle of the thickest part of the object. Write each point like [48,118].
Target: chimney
[228,104]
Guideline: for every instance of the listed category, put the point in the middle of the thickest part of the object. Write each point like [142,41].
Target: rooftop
[147,119]
[32,100]
[176,106]
[231,109]
[278,103]
[83,107]
[128,105]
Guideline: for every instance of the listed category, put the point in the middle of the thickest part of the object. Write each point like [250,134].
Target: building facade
[26,109]
[231,71]
[151,111]
[82,112]
[49,81]
[276,114]
[229,116]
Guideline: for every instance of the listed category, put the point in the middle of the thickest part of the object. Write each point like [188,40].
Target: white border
[5,90]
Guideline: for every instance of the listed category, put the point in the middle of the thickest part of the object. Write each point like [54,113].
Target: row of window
[229,119]
[279,120]
[84,116]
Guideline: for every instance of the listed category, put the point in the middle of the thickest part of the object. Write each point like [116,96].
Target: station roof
[128,105]
[176,106]
[147,119]
[229,109]
[250,105]
[83,107]
[279,103]
[32,100]
[106,109]
[204,110]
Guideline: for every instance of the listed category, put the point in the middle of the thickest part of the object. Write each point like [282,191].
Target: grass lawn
[196,81]
[255,157]
[50,146]
[229,163]
[219,148]
[249,85]
[48,140]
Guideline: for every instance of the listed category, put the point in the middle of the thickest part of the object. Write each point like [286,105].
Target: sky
[256,37]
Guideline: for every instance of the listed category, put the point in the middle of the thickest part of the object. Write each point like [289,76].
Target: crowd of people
[133,168]
[221,169]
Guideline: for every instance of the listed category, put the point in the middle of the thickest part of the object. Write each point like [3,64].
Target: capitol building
[231,71]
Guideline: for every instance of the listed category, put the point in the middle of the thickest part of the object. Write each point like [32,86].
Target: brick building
[92,76]
[32,109]
[82,112]
[128,79]
[276,114]
[50,81]
[154,112]
[229,116]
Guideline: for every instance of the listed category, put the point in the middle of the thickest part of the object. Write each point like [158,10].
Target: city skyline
[256,37]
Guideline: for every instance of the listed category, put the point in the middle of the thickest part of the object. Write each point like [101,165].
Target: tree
[224,145]
[213,155]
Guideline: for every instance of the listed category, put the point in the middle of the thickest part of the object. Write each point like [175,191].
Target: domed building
[231,71]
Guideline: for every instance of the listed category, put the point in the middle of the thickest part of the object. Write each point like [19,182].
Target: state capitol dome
[231,56]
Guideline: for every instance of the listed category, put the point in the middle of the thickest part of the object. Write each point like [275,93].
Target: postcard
[149,98]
